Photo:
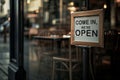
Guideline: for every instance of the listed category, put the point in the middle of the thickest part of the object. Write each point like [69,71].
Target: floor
[4,59]
[38,66]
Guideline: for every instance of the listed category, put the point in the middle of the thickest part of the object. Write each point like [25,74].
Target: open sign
[87,28]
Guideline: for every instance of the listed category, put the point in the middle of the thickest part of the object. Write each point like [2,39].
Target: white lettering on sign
[86,29]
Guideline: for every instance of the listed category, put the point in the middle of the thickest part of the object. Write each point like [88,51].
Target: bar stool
[70,63]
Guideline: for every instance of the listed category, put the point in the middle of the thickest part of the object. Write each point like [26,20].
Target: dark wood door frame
[16,68]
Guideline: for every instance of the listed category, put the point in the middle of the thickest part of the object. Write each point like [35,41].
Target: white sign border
[98,12]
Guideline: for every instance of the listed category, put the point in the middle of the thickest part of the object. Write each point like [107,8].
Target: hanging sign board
[87,28]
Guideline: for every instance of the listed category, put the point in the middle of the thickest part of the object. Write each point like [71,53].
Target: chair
[32,32]
[70,62]
[104,55]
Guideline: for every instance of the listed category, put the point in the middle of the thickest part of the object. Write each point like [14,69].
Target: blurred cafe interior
[50,13]
[48,54]
[53,18]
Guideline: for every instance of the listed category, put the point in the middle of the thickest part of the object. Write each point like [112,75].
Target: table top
[52,37]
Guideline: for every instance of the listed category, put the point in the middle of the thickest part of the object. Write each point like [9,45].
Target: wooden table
[57,39]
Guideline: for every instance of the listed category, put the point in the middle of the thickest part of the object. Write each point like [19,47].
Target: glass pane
[4,39]
[51,18]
